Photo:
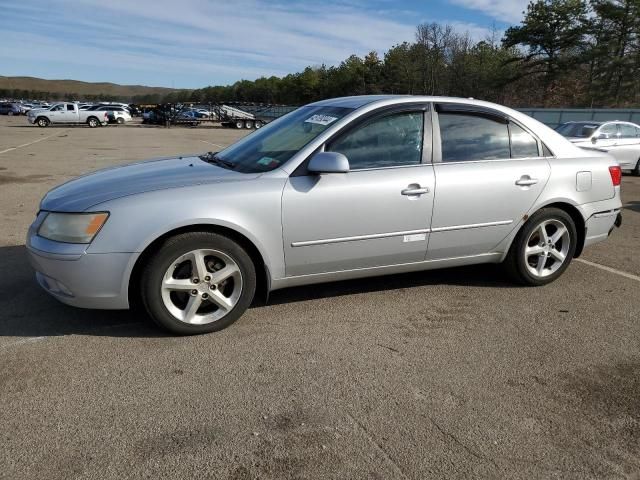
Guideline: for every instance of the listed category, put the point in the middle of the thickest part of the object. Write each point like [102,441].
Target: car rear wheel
[636,171]
[120,120]
[543,248]
[198,282]
[42,122]
[93,122]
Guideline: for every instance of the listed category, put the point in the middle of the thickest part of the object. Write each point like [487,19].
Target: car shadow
[634,206]
[27,311]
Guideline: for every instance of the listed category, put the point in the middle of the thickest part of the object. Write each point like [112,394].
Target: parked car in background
[392,183]
[9,108]
[619,139]
[116,113]
[67,113]
[26,107]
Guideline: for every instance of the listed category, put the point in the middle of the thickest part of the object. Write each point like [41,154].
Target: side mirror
[594,139]
[328,162]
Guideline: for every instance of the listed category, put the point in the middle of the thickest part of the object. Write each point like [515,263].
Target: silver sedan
[338,189]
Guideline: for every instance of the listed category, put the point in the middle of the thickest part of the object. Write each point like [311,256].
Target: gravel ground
[443,374]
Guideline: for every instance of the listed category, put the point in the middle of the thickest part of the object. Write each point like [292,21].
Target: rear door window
[628,131]
[523,144]
[469,137]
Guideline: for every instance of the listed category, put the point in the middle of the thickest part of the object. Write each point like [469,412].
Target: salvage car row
[75,113]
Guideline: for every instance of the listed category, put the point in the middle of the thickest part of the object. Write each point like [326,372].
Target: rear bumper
[600,225]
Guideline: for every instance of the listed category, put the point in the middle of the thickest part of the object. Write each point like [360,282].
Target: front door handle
[414,189]
[526,181]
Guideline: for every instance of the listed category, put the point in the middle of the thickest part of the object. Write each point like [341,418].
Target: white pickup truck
[67,113]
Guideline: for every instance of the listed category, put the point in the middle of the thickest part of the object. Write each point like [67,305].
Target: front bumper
[81,279]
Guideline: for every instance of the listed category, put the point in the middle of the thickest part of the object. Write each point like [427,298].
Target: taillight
[616,175]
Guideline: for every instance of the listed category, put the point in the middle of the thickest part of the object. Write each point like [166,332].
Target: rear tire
[239,124]
[248,124]
[42,122]
[93,122]
[120,120]
[636,171]
[543,248]
[10,113]
[258,124]
[179,301]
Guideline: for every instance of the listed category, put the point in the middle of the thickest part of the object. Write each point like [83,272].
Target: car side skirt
[286,282]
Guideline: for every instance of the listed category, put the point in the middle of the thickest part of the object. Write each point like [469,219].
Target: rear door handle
[414,189]
[526,181]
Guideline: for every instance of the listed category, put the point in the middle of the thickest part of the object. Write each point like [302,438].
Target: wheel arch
[572,211]
[263,275]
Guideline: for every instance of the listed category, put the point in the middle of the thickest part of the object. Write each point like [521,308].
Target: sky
[195,43]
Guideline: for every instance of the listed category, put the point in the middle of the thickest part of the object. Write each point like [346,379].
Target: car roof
[359,101]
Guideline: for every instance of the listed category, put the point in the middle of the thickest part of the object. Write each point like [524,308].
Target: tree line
[564,53]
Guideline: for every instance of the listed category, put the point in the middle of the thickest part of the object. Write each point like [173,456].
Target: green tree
[553,33]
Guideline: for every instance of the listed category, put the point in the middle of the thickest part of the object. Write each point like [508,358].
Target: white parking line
[214,144]
[31,143]
[609,269]
[22,342]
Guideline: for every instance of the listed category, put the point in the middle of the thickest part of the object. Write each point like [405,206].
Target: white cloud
[507,10]
[196,42]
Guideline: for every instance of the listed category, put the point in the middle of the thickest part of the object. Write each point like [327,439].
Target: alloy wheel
[547,248]
[201,286]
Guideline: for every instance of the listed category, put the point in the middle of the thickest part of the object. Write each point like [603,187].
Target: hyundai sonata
[338,189]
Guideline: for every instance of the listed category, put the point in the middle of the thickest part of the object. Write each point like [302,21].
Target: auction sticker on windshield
[321,119]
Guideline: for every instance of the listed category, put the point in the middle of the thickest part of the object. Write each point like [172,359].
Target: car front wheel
[198,282]
[543,248]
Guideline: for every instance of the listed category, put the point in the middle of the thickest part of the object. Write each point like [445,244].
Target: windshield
[578,130]
[273,145]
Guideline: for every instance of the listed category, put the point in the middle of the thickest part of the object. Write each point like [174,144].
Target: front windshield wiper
[212,157]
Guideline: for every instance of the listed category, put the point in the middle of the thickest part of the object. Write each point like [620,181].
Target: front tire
[42,122]
[198,282]
[543,248]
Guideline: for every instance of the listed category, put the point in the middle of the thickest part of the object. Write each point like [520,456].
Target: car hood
[84,192]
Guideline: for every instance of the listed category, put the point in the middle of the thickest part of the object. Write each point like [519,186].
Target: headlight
[72,227]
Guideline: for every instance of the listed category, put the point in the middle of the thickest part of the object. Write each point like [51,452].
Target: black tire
[120,120]
[93,122]
[42,122]
[239,124]
[515,261]
[154,271]
[248,124]
[636,171]
[258,124]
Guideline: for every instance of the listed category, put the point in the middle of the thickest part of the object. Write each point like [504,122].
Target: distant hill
[81,89]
